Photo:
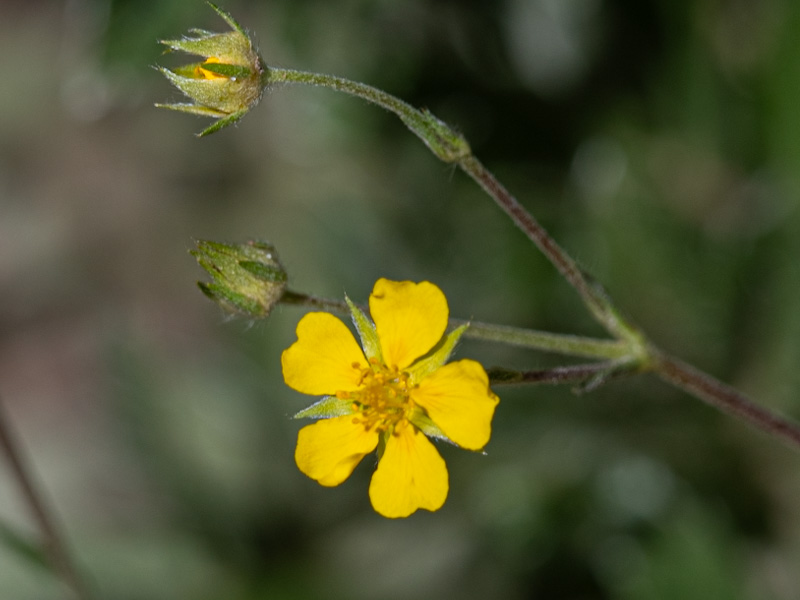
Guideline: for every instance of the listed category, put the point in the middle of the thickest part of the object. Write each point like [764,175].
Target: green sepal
[440,355]
[205,44]
[366,331]
[228,47]
[227,70]
[228,18]
[224,122]
[328,407]
[186,71]
[263,272]
[222,95]
[423,422]
[259,249]
[194,109]
[230,300]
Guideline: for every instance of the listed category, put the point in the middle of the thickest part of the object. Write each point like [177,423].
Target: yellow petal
[458,399]
[409,317]
[329,450]
[410,475]
[321,360]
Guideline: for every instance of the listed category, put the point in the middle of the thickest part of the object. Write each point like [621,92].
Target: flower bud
[227,83]
[248,279]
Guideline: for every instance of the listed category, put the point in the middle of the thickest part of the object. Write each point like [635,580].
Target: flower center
[382,399]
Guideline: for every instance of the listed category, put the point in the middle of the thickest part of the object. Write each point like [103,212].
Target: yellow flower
[388,396]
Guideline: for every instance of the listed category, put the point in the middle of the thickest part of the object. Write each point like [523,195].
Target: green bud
[247,279]
[227,83]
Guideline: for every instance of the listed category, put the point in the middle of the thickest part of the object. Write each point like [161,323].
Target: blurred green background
[659,141]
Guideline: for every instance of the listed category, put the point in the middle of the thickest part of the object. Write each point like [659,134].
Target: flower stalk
[445,143]
[566,344]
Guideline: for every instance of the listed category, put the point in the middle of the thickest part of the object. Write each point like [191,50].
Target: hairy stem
[593,296]
[571,345]
[553,376]
[53,544]
[725,398]
[417,121]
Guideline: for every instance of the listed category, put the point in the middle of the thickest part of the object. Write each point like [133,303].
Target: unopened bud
[227,83]
[247,279]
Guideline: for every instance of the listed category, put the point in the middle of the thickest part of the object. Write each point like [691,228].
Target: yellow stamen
[382,398]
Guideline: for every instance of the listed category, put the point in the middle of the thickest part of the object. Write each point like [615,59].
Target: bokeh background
[658,140]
